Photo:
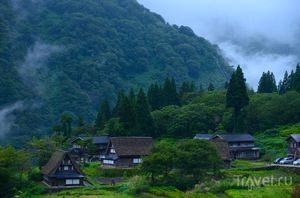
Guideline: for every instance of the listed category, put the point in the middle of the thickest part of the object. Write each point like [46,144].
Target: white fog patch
[7,118]
[35,62]
[258,35]
[254,64]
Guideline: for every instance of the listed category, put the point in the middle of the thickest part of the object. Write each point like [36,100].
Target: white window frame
[72,181]
[76,181]
[112,150]
[69,181]
[110,162]
[137,160]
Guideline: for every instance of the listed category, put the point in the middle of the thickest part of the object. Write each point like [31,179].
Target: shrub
[137,185]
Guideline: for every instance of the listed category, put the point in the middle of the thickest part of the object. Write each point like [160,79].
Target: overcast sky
[259,35]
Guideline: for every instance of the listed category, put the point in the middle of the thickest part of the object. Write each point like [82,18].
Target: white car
[297,162]
[287,160]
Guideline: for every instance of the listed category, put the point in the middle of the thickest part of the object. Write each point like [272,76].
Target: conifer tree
[267,83]
[66,120]
[144,121]
[284,84]
[121,95]
[185,88]
[170,92]
[237,96]
[103,115]
[151,96]
[132,97]
[126,114]
[295,79]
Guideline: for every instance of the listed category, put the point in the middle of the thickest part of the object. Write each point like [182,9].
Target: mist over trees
[84,52]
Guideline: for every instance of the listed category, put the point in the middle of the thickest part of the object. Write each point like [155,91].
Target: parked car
[287,160]
[278,160]
[297,162]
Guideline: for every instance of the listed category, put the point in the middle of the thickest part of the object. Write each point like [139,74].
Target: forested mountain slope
[68,55]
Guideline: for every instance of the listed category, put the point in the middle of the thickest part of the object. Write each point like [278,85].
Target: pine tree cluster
[290,82]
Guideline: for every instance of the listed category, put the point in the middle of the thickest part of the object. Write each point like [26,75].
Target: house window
[137,160]
[111,162]
[112,150]
[66,168]
[72,181]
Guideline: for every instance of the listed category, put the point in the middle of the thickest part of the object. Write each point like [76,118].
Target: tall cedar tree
[132,97]
[170,92]
[237,96]
[66,120]
[144,121]
[284,84]
[103,115]
[155,96]
[290,82]
[295,79]
[121,95]
[126,113]
[187,87]
[267,83]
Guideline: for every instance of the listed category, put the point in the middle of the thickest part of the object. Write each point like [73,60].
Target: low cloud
[254,64]
[7,117]
[258,35]
[36,63]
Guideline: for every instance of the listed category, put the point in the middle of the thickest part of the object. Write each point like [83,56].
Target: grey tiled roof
[100,140]
[236,137]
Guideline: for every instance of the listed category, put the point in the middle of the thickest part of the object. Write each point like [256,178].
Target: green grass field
[226,187]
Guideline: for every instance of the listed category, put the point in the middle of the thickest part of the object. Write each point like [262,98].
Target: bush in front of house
[137,184]
[183,164]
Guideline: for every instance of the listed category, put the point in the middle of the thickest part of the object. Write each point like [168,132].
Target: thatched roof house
[127,151]
[62,171]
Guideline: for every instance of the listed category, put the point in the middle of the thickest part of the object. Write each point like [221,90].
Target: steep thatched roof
[55,161]
[132,146]
[222,148]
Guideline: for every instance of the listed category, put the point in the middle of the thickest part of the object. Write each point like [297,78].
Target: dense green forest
[67,56]
[166,110]
[270,117]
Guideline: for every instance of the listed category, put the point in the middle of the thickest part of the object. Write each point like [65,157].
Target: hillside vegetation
[69,55]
